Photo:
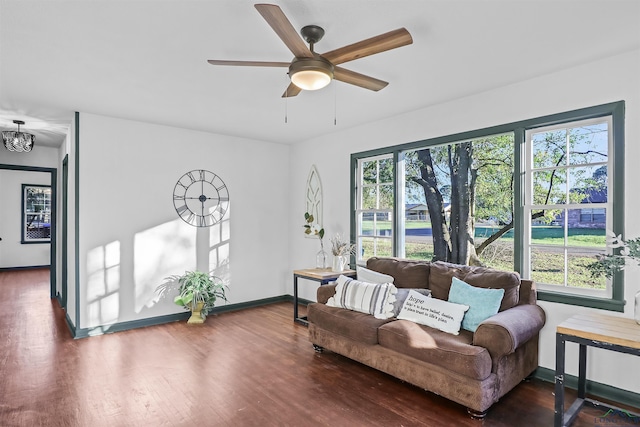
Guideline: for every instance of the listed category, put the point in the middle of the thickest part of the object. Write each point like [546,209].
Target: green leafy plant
[609,264]
[195,287]
[310,228]
[313,229]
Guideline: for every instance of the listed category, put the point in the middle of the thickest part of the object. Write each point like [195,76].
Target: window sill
[582,300]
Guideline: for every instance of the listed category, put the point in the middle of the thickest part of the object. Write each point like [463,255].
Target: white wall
[12,252]
[40,156]
[600,82]
[131,236]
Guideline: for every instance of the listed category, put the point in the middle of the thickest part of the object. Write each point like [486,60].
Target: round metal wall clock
[201,198]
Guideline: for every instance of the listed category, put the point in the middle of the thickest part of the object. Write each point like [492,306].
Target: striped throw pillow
[370,298]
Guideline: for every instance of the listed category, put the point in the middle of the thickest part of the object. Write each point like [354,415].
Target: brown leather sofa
[472,369]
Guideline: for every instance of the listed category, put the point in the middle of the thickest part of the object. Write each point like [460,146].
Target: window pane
[588,184]
[549,149]
[386,197]
[579,276]
[587,227]
[370,172]
[366,248]
[369,198]
[418,247]
[386,170]
[482,189]
[37,213]
[547,217]
[371,246]
[549,187]
[366,224]
[588,144]
[383,247]
[498,254]
[383,224]
[547,265]
[38,226]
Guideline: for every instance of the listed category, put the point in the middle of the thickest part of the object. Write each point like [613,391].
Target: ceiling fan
[310,70]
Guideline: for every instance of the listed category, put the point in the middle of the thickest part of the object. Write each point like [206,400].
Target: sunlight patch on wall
[219,249]
[161,251]
[103,284]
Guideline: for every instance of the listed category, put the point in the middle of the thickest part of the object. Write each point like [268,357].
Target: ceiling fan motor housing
[305,72]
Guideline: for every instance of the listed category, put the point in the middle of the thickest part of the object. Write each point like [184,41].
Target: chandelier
[18,141]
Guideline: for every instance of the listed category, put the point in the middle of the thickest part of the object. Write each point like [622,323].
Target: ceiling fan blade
[292,90]
[383,42]
[249,63]
[283,28]
[358,79]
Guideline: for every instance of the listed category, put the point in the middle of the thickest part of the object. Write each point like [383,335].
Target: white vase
[339,263]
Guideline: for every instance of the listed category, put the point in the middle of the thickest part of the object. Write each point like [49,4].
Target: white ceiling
[145,60]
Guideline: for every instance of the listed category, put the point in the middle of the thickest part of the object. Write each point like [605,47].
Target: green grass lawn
[548,265]
[543,235]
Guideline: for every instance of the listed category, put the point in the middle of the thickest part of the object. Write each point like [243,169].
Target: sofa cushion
[406,273]
[452,352]
[441,274]
[350,324]
[370,276]
[443,315]
[483,303]
[370,298]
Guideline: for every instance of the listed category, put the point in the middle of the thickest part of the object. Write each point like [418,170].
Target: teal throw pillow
[483,303]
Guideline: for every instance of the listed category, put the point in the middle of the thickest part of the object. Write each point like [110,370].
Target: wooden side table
[324,276]
[596,330]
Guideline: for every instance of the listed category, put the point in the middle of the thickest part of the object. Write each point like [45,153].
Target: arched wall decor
[313,197]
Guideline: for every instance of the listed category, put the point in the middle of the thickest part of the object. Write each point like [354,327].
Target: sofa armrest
[325,292]
[504,332]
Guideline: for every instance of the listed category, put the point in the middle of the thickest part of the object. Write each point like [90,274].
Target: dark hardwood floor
[253,367]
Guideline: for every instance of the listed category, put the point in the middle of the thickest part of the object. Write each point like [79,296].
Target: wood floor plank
[253,367]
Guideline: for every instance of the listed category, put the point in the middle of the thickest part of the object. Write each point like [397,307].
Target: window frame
[566,206]
[616,191]
[361,185]
[24,238]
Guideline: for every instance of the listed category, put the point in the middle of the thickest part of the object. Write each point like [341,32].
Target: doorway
[53,244]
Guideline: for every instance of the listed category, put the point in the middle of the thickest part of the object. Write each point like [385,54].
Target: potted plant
[312,229]
[341,250]
[198,292]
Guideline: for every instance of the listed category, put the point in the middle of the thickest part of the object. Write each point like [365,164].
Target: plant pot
[196,316]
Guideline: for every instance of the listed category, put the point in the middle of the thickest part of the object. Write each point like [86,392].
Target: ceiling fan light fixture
[311,73]
[18,141]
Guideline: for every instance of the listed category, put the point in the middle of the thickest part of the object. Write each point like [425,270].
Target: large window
[535,196]
[374,214]
[36,214]
[566,204]
[458,202]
